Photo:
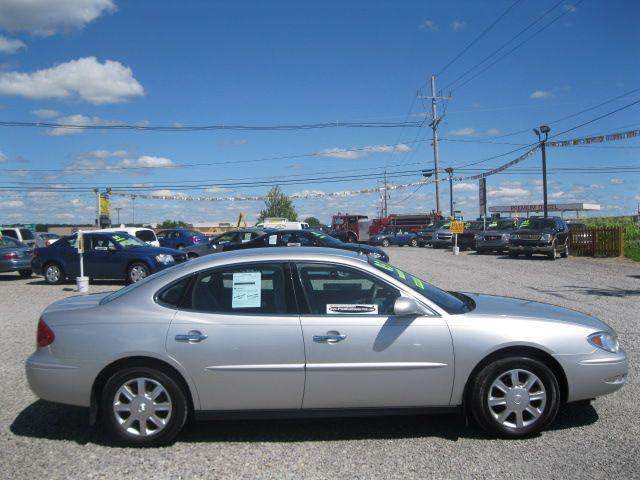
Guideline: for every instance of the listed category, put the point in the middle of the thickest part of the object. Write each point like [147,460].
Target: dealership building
[520,210]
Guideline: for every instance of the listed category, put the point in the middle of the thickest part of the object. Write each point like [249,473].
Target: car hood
[155,250]
[516,307]
[78,302]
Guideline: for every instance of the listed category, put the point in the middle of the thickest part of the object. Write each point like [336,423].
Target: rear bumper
[15,265]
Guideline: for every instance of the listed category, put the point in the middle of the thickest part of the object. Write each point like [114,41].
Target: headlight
[374,254]
[605,341]
[545,237]
[513,236]
[162,258]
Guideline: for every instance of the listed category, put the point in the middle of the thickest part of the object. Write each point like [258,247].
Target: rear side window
[146,235]
[26,234]
[8,242]
[173,294]
[10,233]
[257,289]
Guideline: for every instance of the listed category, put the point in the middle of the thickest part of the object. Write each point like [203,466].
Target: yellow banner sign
[456,227]
[104,205]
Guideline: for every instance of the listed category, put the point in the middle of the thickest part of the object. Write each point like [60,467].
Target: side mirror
[405,307]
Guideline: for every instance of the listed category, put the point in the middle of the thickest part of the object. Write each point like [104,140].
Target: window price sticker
[247,287]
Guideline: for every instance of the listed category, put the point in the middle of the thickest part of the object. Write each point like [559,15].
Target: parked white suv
[23,235]
[145,234]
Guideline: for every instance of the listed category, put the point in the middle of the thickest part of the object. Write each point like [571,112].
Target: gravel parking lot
[43,440]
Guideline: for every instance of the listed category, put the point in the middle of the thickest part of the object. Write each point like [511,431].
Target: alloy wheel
[53,273]
[142,407]
[137,273]
[517,398]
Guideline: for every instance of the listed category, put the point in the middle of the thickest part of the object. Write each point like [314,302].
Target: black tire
[414,242]
[385,243]
[528,254]
[25,273]
[565,252]
[513,255]
[192,255]
[176,419]
[136,272]
[478,397]
[50,277]
[179,247]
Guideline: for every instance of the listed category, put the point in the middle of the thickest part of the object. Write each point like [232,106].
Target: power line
[475,40]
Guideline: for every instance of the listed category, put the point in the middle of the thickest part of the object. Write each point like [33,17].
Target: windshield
[474,226]
[453,304]
[338,221]
[326,240]
[127,241]
[539,224]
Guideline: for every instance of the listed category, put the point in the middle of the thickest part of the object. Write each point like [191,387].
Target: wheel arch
[137,361]
[137,260]
[50,261]
[520,350]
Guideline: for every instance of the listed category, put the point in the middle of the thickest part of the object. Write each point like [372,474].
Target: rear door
[359,354]
[238,334]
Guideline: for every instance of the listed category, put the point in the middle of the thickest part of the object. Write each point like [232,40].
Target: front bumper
[491,245]
[15,265]
[533,248]
[593,375]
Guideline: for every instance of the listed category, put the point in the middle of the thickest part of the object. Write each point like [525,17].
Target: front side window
[98,243]
[247,289]
[127,241]
[340,290]
[172,295]
[295,239]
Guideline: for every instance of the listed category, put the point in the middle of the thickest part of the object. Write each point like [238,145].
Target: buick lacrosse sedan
[313,331]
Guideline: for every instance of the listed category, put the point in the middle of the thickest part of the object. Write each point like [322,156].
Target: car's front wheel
[25,273]
[143,407]
[414,242]
[136,272]
[514,397]
[385,243]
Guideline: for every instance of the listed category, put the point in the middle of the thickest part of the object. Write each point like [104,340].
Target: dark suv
[548,236]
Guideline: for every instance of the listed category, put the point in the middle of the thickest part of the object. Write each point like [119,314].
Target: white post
[456,249]
[82,282]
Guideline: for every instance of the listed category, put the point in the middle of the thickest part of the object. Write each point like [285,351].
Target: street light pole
[543,146]
[118,212]
[450,172]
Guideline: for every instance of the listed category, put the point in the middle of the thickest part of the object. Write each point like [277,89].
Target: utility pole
[543,146]
[435,121]
[97,192]
[118,212]
[450,172]
[133,211]
[384,203]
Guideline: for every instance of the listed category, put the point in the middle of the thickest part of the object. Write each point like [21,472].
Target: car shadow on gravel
[69,284]
[51,421]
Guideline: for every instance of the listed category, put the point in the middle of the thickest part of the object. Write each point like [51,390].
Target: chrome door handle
[194,336]
[330,337]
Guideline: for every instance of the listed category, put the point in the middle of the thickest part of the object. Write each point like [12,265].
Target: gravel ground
[43,440]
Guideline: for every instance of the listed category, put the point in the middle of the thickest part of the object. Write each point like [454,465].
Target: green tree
[168,224]
[277,204]
[312,221]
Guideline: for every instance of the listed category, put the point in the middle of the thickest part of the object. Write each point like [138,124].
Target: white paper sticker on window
[247,287]
[351,309]
[273,240]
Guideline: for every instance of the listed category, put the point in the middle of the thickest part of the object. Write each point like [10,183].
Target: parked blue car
[15,256]
[181,237]
[117,256]
[393,237]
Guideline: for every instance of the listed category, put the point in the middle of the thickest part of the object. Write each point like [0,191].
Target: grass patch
[631,232]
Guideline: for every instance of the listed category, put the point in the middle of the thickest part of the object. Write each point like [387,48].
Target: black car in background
[548,236]
[305,238]
[231,237]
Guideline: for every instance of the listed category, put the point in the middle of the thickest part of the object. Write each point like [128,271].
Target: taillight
[9,256]
[195,239]
[45,335]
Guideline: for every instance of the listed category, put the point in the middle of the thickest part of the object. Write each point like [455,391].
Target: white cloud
[596,186]
[85,78]
[214,189]
[3,157]
[10,45]
[507,192]
[557,194]
[91,163]
[147,161]
[46,17]
[167,193]
[12,204]
[362,152]
[101,154]
[493,131]
[541,94]
[464,131]
[616,181]
[44,113]
[429,25]
[465,187]
[76,122]
[457,25]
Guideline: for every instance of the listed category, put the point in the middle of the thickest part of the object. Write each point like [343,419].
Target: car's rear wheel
[143,407]
[414,242]
[565,251]
[553,254]
[53,274]
[25,273]
[136,272]
[385,243]
[514,397]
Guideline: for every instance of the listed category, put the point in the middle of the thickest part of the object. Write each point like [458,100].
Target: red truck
[358,228]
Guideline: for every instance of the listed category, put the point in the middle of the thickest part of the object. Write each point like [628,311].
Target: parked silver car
[313,331]
[442,237]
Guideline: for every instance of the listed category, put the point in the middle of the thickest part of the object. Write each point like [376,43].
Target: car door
[102,257]
[238,335]
[358,353]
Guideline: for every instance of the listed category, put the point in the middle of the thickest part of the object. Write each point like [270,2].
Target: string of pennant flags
[349,193]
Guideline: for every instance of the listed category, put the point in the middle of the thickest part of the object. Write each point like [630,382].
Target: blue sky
[254,62]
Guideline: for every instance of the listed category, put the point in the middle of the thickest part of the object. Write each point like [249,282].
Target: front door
[238,334]
[101,257]
[359,354]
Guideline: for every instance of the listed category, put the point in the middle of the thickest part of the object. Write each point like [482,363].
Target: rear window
[26,234]
[146,235]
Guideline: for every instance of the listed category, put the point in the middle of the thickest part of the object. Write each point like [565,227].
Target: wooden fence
[597,242]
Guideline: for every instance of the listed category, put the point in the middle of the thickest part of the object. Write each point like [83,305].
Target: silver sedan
[314,332]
